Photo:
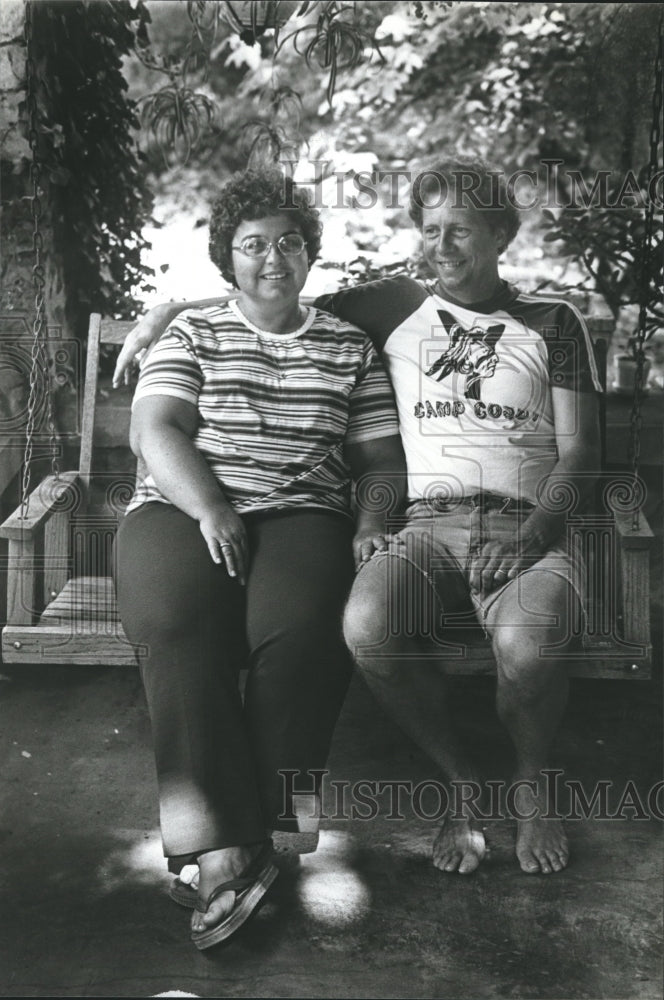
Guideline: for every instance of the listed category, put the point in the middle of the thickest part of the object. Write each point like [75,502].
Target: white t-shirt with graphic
[473,384]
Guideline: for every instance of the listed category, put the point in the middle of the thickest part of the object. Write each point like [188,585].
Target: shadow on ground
[84,905]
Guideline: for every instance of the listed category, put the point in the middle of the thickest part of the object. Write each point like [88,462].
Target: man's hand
[365,542]
[499,562]
[369,538]
[226,538]
[146,332]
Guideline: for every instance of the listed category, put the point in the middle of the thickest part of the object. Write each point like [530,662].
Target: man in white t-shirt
[497,400]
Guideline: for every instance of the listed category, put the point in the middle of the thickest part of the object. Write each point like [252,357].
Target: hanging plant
[275,137]
[251,18]
[265,144]
[177,116]
[285,105]
[336,45]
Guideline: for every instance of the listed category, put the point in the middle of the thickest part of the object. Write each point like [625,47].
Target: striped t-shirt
[275,410]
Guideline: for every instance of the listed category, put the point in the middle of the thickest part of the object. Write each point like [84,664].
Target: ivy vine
[87,148]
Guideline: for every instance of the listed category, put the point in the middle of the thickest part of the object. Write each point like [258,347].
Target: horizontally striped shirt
[275,409]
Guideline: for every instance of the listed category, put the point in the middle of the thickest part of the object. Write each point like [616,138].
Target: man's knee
[365,625]
[526,655]
[529,640]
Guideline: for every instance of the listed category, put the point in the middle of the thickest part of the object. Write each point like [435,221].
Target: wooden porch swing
[56,615]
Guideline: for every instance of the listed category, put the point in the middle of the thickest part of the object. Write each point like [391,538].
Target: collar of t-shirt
[310,315]
[500,299]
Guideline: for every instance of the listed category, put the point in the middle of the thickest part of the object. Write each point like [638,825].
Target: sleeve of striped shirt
[171,368]
[372,411]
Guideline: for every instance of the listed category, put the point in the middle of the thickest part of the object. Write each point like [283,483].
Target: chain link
[636,418]
[38,356]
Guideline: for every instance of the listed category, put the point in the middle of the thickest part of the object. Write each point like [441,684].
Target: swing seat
[57,616]
[80,625]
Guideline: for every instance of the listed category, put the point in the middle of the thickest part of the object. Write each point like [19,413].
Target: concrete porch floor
[84,910]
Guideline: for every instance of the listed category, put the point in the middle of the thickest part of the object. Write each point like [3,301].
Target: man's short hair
[465,183]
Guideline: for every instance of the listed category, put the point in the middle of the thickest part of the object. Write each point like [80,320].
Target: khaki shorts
[441,541]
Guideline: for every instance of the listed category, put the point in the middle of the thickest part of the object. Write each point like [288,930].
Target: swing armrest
[52,495]
[634,559]
[629,537]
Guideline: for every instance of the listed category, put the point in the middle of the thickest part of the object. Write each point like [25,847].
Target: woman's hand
[226,538]
[146,332]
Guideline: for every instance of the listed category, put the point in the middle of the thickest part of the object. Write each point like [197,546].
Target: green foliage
[204,58]
[87,144]
[609,241]
[514,82]
[363,269]
[518,83]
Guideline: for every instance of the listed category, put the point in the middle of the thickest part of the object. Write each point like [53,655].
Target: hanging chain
[636,418]
[38,357]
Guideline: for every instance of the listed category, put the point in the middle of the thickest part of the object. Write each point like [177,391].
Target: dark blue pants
[218,758]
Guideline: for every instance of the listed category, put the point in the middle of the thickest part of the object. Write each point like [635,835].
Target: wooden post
[89,398]
[21,582]
[56,554]
[635,577]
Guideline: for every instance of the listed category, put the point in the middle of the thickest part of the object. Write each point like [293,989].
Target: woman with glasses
[238,548]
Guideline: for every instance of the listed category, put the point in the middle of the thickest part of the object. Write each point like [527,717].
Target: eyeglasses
[290,245]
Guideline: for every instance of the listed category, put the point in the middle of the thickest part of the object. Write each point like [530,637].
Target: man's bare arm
[149,329]
[382,462]
[576,420]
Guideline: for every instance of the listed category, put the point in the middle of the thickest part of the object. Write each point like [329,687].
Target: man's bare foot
[216,867]
[459,846]
[541,843]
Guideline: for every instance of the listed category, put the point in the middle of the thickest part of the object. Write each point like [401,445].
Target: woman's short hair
[257,194]
[466,183]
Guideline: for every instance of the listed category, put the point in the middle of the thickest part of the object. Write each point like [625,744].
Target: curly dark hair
[254,194]
[471,183]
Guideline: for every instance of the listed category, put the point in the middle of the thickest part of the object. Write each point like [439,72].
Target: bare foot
[541,843]
[216,867]
[459,846]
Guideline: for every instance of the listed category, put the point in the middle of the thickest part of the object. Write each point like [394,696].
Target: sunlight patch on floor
[175,993]
[138,860]
[331,890]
